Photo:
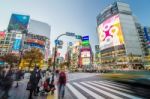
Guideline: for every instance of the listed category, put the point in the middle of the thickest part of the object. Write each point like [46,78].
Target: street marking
[108,85]
[76,92]
[101,91]
[115,91]
[96,96]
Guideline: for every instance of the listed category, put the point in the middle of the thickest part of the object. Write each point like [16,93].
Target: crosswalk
[100,90]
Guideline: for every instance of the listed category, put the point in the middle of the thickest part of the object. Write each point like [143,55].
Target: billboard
[85,54]
[18,22]
[147,36]
[2,35]
[110,33]
[36,41]
[17,42]
[85,61]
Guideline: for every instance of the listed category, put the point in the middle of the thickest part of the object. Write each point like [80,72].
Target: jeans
[61,91]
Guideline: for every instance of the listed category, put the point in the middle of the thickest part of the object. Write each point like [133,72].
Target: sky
[77,16]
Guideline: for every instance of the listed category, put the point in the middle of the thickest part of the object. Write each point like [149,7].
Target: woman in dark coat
[34,80]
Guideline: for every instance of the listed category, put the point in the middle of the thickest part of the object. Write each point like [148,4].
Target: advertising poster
[147,36]
[110,33]
[36,41]
[18,22]
[2,35]
[17,42]
[85,61]
[85,54]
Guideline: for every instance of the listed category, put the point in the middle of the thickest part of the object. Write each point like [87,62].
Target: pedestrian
[18,77]
[34,80]
[7,81]
[61,84]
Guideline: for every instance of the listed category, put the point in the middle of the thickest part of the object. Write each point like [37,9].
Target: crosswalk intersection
[100,90]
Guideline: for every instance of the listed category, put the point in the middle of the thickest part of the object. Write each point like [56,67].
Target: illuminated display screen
[36,41]
[110,33]
[18,22]
[85,61]
[17,42]
[85,54]
[2,35]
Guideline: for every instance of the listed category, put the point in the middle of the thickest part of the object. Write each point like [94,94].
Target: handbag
[29,86]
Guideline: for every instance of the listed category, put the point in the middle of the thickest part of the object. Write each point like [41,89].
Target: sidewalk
[20,92]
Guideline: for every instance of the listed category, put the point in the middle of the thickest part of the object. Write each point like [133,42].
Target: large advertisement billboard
[110,33]
[36,41]
[147,36]
[85,54]
[17,42]
[85,61]
[18,22]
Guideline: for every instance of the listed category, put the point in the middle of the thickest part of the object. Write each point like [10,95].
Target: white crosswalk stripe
[114,87]
[115,91]
[96,96]
[76,92]
[99,90]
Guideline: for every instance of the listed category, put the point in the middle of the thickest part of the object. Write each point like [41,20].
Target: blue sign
[56,41]
[17,44]
[1,63]
[147,37]
[70,34]
[70,43]
[18,22]
[85,38]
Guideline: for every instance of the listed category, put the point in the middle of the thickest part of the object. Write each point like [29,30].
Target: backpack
[62,78]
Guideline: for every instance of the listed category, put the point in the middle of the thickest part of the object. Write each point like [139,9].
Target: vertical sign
[17,42]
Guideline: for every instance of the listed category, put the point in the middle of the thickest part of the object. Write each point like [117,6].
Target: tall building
[39,28]
[23,34]
[118,37]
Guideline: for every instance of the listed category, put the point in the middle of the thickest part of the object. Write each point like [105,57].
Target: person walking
[18,77]
[34,80]
[7,81]
[61,84]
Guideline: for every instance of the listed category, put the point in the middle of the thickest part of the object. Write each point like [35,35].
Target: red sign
[2,35]
[36,41]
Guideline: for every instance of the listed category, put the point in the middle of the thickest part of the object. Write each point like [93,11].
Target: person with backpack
[61,84]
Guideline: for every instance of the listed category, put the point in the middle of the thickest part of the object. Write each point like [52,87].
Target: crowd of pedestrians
[41,82]
[44,82]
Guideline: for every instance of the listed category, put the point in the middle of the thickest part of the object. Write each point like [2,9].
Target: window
[6,42]
[8,38]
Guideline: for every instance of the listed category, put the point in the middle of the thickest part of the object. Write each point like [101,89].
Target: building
[119,41]
[23,34]
[39,28]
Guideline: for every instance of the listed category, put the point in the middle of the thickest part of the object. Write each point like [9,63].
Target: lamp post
[56,43]
[56,51]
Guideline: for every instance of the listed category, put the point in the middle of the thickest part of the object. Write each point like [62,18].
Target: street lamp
[56,43]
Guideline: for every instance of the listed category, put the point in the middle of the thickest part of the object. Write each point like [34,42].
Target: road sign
[97,49]
[78,37]
[59,42]
[56,41]
[70,43]
[85,38]
[70,34]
